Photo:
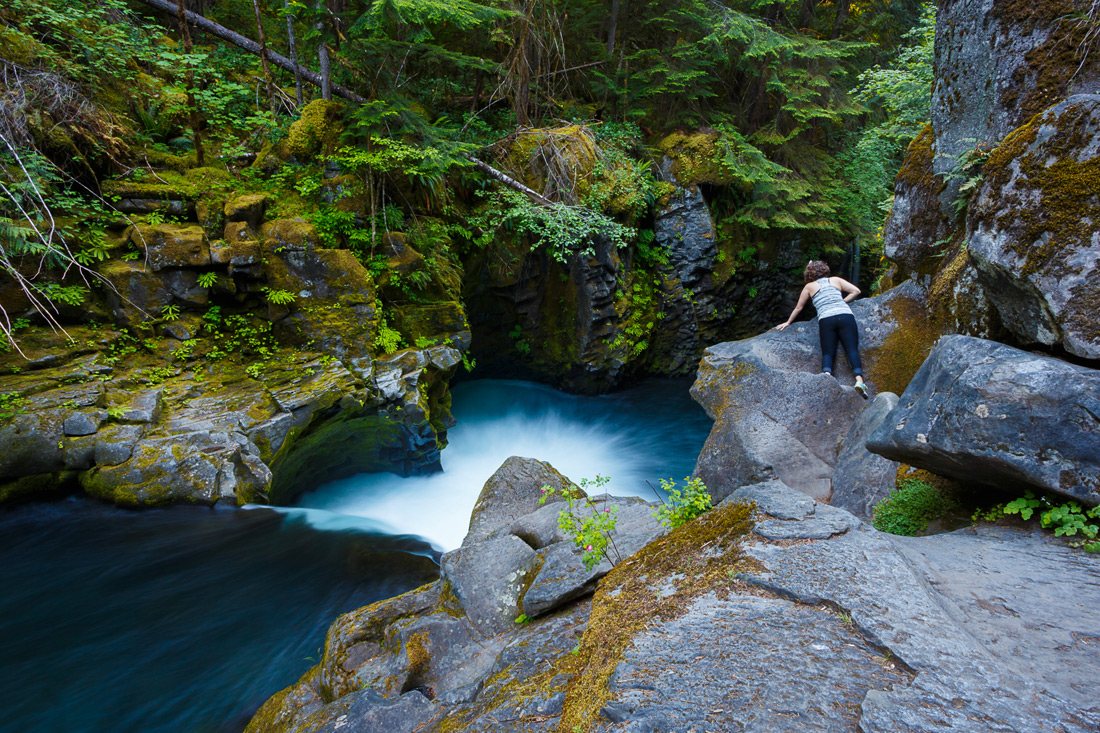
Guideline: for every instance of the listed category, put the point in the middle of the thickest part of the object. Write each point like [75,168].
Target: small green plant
[522,618]
[423,342]
[207,279]
[11,404]
[468,362]
[1067,519]
[516,334]
[682,506]
[583,520]
[170,313]
[910,507]
[116,412]
[278,297]
[387,340]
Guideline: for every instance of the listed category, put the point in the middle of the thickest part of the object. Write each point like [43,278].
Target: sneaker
[861,388]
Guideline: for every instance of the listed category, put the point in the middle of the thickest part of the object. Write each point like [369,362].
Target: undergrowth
[910,507]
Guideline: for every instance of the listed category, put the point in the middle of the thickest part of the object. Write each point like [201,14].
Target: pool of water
[187,619]
[653,430]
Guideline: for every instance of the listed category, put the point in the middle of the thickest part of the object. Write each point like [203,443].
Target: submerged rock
[986,413]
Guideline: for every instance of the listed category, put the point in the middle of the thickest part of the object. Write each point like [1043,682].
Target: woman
[835,321]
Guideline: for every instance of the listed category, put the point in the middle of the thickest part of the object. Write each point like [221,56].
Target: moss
[417,652]
[568,154]
[1050,66]
[695,158]
[1068,188]
[705,551]
[916,171]
[892,365]
[266,718]
[317,131]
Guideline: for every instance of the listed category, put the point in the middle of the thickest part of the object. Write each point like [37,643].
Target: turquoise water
[187,619]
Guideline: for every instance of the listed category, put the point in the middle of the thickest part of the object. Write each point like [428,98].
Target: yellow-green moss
[416,650]
[916,170]
[265,719]
[695,158]
[1069,189]
[892,365]
[705,551]
[318,130]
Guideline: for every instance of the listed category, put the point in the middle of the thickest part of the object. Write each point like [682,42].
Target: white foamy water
[648,432]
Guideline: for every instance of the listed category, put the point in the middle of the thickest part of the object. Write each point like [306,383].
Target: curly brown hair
[815,270]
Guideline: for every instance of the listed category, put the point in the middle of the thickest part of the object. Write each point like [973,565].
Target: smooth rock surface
[862,479]
[489,578]
[514,491]
[986,413]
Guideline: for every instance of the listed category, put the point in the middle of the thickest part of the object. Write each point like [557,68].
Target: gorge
[281,441]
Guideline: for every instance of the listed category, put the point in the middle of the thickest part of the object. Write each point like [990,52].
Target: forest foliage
[806,107]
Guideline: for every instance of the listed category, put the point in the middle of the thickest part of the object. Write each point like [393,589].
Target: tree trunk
[322,56]
[252,47]
[263,54]
[292,46]
[614,21]
[192,103]
[843,7]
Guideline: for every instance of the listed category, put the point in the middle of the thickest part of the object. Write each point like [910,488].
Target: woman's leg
[827,328]
[848,332]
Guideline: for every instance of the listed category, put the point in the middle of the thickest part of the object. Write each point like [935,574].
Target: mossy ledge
[705,554]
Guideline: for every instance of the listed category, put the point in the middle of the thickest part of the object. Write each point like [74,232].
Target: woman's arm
[852,292]
[797,309]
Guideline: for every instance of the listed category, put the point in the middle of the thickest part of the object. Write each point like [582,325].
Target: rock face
[863,479]
[776,415]
[1033,229]
[987,413]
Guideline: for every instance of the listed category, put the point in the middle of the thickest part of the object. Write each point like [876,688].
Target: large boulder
[986,413]
[1033,228]
[777,416]
[513,491]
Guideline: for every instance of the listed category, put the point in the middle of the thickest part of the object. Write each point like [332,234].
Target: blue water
[652,430]
[187,619]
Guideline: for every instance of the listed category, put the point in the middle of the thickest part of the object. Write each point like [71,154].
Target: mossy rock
[289,235]
[694,158]
[171,245]
[317,131]
[431,321]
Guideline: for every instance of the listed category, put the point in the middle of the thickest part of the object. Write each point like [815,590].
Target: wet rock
[84,423]
[986,413]
[489,579]
[776,415]
[961,682]
[289,235]
[1032,233]
[862,479]
[562,575]
[514,491]
[136,293]
[171,245]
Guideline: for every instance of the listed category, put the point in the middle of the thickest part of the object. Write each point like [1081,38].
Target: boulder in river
[986,413]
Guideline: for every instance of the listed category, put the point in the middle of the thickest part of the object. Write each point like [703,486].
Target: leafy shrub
[590,530]
[683,506]
[910,507]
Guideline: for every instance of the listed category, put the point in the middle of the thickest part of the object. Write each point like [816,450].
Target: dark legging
[842,327]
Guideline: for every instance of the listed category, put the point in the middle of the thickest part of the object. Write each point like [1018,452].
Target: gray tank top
[828,300]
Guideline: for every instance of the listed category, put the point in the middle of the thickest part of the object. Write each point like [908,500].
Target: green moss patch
[706,552]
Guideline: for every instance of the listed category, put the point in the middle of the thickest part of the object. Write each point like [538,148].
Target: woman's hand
[781,326]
